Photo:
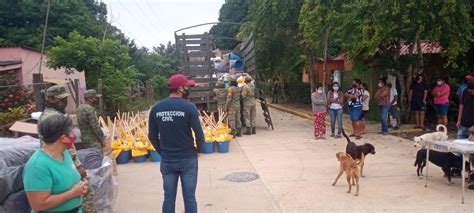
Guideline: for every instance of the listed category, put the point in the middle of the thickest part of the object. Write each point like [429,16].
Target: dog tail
[347,137]
[445,130]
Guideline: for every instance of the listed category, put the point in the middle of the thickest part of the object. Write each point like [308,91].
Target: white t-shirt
[365,104]
[335,105]
[393,93]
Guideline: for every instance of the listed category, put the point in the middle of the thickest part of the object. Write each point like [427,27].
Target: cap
[91,93]
[179,80]
[57,91]
[469,77]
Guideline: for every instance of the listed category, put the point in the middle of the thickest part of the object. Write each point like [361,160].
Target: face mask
[71,142]
[62,104]
[186,93]
[380,85]
[320,91]
[440,83]
[335,88]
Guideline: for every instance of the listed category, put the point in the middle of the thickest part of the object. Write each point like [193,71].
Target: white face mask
[320,91]
[440,83]
[380,85]
[335,88]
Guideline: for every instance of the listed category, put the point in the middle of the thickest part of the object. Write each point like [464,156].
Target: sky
[151,22]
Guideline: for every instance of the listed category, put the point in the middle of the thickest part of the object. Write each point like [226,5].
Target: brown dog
[352,169]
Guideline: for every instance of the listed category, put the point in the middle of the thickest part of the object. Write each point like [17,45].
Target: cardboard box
[25,127]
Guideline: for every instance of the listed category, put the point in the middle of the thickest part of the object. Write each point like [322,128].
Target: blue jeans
[463,132]
[172,170]
[333,113]
[383,110]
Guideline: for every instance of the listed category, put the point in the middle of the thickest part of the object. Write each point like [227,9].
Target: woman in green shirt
[51,181]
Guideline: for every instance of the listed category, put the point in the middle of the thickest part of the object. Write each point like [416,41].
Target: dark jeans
[172,170]
[383,110]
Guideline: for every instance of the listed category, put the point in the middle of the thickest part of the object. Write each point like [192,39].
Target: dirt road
[295,175]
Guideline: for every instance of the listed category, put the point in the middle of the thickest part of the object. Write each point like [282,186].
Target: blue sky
[151,22]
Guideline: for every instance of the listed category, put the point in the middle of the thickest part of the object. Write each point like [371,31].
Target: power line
[129,12]
[143,13]
[156,17]
[133,37]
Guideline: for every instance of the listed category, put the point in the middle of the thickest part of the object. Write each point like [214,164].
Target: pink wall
[30,65]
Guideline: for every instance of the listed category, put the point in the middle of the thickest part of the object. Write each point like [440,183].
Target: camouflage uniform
[250,105]
[221,96]
[91,133]
[233,103]
[59,92]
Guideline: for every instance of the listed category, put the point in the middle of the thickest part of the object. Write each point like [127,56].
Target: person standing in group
[221,94]
[250,106]
[354,94]
[91,135]
[382,96]
[335,99]
[466,111]
[394,109]
[365,106]
[233,104]
[441,100]
[172,122]
[463,86]
[50,179]
[417,98]
[56,104]
[319,105]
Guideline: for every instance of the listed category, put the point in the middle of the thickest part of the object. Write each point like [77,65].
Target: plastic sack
[17,151]
[11,180]
[90,158]
[104,185]
[17,203]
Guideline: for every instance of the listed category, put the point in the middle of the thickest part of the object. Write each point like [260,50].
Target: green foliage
[159,84]
[231,11]
[13,115]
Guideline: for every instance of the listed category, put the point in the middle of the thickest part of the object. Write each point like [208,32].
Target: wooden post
[38,91]
[149,91]
[76,90]
[101,98]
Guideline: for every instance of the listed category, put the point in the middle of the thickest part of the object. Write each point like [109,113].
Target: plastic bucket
[154,156]
[124,157]
[208,147]
[139,159]
[223,147]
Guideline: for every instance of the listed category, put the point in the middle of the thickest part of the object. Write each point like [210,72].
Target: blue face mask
[335,88]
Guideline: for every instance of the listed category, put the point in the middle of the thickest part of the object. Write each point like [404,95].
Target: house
[24,61]
[336,67]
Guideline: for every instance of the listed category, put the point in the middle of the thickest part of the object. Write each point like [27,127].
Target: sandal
[352,135]
[358,137]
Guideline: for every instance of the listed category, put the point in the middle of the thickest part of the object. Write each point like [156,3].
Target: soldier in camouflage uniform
[250,106]
[221,94]
[233,104]
[56,104]
[91,133]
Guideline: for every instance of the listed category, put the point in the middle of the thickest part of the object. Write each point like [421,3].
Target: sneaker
[332,135]
[358,137]
[396,128]
[352,135]
[338,136]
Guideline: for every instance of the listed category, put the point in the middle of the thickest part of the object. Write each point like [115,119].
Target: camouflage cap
[91,93]
[57,91]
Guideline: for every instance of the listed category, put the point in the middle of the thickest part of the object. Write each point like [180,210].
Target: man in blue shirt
[463,86]
[171,123]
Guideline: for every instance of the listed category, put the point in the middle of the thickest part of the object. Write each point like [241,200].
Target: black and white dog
[446,160]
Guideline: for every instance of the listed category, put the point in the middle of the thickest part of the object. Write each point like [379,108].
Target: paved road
[296,173]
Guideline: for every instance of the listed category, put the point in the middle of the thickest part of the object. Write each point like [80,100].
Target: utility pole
[44,36]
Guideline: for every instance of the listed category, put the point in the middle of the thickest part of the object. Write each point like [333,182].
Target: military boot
[239,132]
[249,131]
[254,131]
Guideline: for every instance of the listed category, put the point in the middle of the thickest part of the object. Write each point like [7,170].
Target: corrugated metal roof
[7,63]
[426,48]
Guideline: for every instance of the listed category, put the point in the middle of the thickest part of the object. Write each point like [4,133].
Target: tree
[231,11]
[106,59]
